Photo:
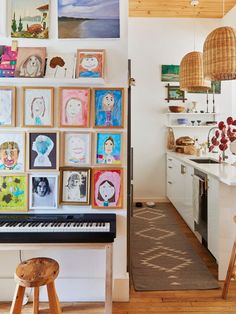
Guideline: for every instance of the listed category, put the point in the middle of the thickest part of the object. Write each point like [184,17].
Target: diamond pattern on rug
[149,215]
[155,233]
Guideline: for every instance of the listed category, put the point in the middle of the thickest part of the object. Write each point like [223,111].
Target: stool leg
[54,304]
[229,272]
[17,300]
[36,300]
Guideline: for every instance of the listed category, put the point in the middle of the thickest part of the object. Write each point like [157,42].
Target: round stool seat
[36,272]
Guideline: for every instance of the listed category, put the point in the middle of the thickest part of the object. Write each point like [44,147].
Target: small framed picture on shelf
[74,107]
[13,192]
[108,148]
[175,93]
[90,63]
[77,149]
[43,150]
[109,107]
[75,186]
[7,106]
[38,107]
[12,152]
[107,188]
[60,65]
[43,191]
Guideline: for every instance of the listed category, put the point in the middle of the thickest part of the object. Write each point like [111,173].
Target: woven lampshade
[191,73]
[219,54]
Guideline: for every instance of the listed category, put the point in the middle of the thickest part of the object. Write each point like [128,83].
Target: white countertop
[224,172]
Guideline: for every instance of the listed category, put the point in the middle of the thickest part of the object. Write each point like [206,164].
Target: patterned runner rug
[161,255]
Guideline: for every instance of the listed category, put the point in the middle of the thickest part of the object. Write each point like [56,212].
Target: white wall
[79,270]
[153,42]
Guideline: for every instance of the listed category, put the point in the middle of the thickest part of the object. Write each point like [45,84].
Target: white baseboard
[156,200]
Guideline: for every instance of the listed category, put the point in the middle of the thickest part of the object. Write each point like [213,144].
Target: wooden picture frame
[74,107]
[75,191]
[14,161]
[42,155]
[7,106]
[12,191]
[108,181]
[108,108]
[79,144]
[37,106]
[109,149]
[90,64]
[175,93]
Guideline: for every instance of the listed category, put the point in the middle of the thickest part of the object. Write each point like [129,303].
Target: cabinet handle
[169,182]
[183,169]
[170,159]
[170,167]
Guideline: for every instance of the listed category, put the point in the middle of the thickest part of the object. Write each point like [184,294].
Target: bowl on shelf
[176,109]
[182,121]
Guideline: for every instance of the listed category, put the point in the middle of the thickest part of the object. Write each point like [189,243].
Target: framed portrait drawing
[12,152]
[77,149]
[109,107]
[90,63]
[7,106]
[108,148]
[37,107]
[43,150]
[75,186]
[43,191]
[107,188]
[13,193]
[74,107]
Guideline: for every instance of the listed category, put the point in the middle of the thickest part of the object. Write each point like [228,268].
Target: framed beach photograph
[75,186]
[12,152]
[90,63]
[37,107]
[108,148]
[60,65]
[107,188]
[29,19]
[30,62]
[88,19]
[43,191]
[77,149]
[74,107]
[13,193]
[43,150]
[7,106]
[109,107]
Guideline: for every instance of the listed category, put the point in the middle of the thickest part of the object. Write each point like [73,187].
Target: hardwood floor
[158,302]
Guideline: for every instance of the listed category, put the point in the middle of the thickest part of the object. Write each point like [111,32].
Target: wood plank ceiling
[179,8]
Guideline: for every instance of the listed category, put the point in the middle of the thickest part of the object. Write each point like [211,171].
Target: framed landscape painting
[108,148]
[107,188]
[170,73]
[89,19]
[7,106]
[90,63]
[37,107]
[13,193]
[29,19]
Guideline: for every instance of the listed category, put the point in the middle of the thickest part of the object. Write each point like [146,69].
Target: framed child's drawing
[12,152]
[90,63]
[37,107]
[108,148]
[109,107]
[74,107]
[43,150]
[60,65]
[77,149]
[75,186]
[7,106]
[43,191]
[13,192]
[107,188]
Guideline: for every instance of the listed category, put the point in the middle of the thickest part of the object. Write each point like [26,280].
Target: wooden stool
[34,273]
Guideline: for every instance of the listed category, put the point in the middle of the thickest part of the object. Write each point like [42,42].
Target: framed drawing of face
[13,193]
[7,106]
[109,107]
[43,150]
[77,149]
[43,191]
[37,107]
[12,152]
[108,148]
[107,188]
[75,186]
[74,107]
[90,63]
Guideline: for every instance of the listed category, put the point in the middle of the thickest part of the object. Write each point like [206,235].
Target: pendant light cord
[223,9]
